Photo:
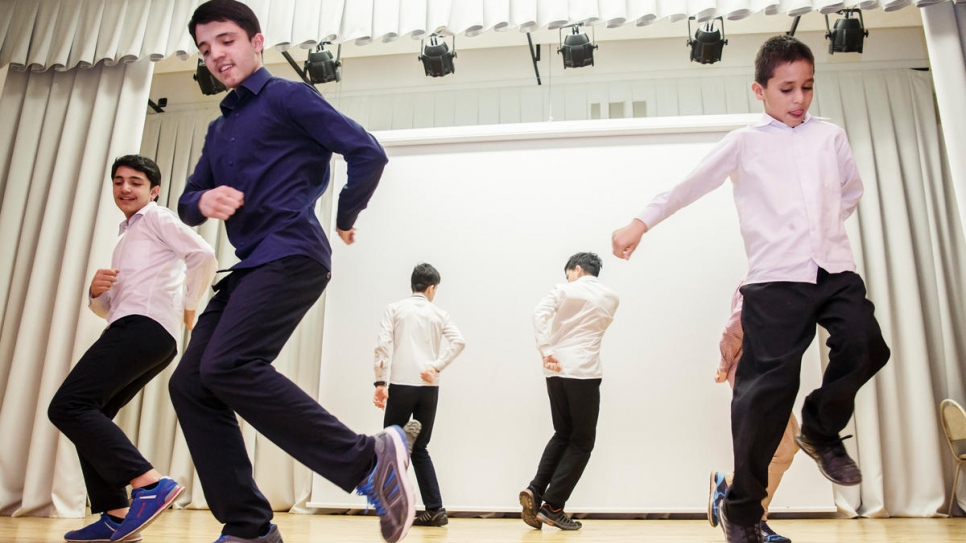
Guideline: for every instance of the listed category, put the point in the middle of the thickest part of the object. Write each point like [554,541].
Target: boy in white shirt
[795,183]
[408,362]
[569,324]
[159,272]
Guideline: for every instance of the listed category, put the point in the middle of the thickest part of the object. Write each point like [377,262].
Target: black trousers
[779,322]
[131,352]
[574,407]
[419,403]
[227,369]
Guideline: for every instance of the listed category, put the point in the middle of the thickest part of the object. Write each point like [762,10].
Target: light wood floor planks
[201,527]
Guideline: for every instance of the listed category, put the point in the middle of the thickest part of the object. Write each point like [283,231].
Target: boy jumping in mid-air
[795,183]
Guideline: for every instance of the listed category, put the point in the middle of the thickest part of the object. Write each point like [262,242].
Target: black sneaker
[530,501]
[832,460]
[557,519]
[739,533]
[770,536]
[434,518]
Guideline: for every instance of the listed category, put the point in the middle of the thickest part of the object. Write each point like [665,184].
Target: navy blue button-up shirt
[274,143]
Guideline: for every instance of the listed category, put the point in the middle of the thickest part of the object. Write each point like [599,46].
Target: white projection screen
[499,210]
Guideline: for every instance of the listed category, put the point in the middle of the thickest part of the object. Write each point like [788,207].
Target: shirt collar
[252,85]
[419,295]
[127,223]
[767,119]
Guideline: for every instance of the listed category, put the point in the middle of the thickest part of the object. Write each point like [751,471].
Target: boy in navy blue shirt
[263,167]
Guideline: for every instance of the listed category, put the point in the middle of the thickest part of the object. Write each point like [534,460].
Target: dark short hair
[141,164]
[779,50]
[424,276]
[225,10]
[589,262]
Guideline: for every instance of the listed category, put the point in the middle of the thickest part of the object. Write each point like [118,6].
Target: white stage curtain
[945,28]
[63,34]
[60,133]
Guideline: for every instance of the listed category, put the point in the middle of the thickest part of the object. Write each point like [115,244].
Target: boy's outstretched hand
[625,240]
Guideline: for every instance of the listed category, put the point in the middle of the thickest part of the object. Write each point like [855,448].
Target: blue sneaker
[716,494]
[771,536]
[387,486]
[100,530]
[273,536]
[146,505]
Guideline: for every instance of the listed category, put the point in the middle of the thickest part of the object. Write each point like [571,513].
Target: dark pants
[227,369]
[779,322]
[574,406]
[419,403]
[131,352]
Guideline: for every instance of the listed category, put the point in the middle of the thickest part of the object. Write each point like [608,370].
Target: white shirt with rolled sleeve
[569,323]
[793,189]
[410,339]
[165,268]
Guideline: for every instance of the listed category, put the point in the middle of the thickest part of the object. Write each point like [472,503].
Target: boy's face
[789,92]
[228,53]
[132,190]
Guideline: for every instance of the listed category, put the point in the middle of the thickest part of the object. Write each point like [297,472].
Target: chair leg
[952,494]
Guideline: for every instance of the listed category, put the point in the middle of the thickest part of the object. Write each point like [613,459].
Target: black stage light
[708,42]
[437,58]
[208,83]
[321,67]
[848,34]
[576,48]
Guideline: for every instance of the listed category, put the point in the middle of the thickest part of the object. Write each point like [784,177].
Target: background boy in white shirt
[408,361]
[795,183]
[159,272]
[569,324]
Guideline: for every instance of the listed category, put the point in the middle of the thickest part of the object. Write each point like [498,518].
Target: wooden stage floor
[201,527]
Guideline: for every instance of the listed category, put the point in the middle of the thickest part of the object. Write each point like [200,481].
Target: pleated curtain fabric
[58,222]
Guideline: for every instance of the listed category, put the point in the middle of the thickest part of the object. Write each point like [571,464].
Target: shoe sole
[814,456]
[135,536]
[712,518]
[402,458]
[549,522]
[135,540]
[529,514]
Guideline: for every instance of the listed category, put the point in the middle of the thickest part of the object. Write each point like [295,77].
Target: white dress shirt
[569,323]
[793,188]
[164,266]
[409,341]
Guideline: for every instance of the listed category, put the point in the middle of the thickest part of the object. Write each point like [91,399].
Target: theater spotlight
[437,59]
[708,42]
[208,83]
[576,48]
[848,34]
[321,67]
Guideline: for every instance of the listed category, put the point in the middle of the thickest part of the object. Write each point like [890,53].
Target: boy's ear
[759,90]
[258,42]
[155,191]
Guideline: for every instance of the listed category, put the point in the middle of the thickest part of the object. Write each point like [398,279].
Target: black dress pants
[130,352]
[574,407]
[779,321]
[419,403]
[227,369]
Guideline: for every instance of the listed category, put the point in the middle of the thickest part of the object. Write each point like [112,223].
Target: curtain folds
[63,34]
[58,223]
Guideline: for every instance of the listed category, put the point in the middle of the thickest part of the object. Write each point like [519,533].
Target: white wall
[498,210]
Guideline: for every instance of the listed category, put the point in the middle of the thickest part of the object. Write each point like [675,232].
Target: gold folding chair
[953,418]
